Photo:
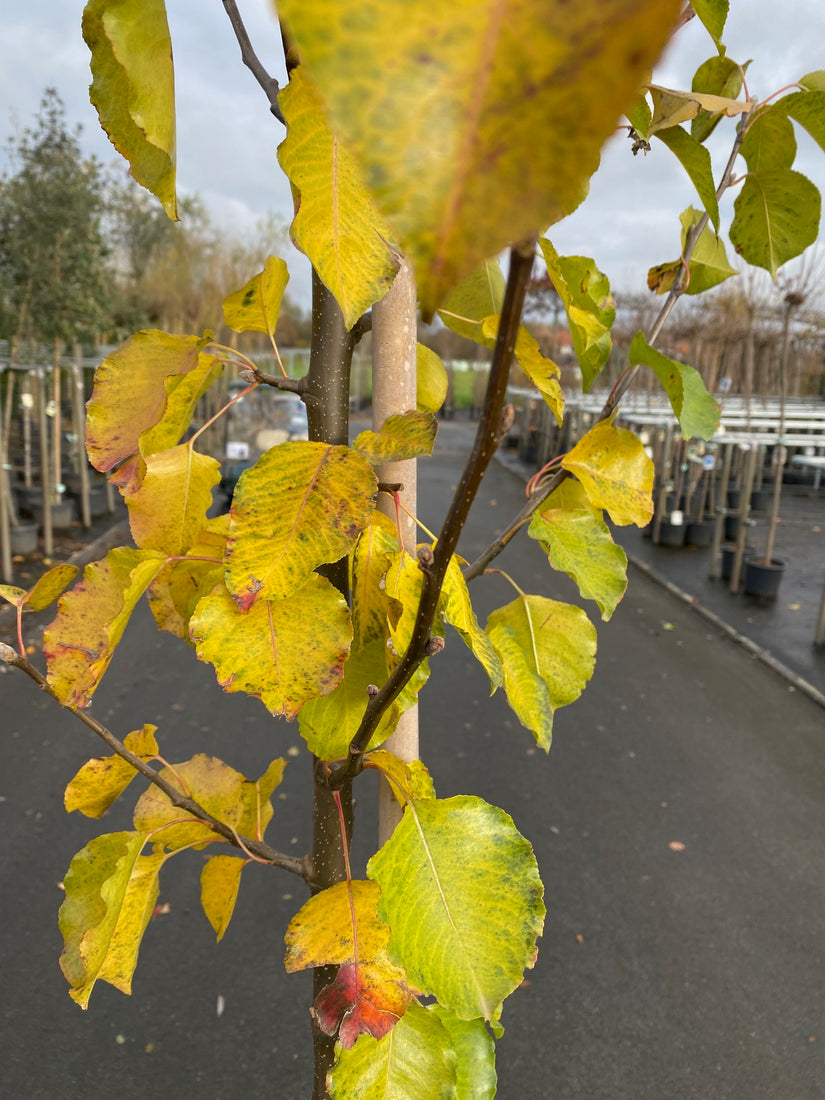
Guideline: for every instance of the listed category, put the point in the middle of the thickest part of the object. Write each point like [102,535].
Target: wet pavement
[679,824]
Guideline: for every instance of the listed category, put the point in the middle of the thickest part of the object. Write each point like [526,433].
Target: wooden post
[394,391]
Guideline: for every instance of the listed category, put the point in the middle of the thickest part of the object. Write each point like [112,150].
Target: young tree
[52,252]
[411,145]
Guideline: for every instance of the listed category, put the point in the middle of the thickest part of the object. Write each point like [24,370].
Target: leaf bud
[425,556]
[7,654]
[434,645]
[372,690]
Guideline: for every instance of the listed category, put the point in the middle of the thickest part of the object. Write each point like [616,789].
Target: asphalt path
[678,820]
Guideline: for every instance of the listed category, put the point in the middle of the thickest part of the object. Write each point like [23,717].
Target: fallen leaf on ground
[676,846]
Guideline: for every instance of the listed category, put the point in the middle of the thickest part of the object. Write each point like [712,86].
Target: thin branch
[433,563]
[626,378]
[256,848]
[279,382]
[270,85]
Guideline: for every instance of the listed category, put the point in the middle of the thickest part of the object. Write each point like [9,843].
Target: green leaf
[708,264]
[220,881]
[104,779]
[713,13]
[268,652]
[111,891]
[716,76]
[476,1053]
[638,115]
[167,511]
[401,436]
[129,394]
[431,380]
[486,82]
[478,295]
[814,82]
[90,621]
[695,159]
[337,224]
[459,868]
[415,1061]
[300,506]
[215,786]
[807,108]
[616,473]
[776,217]
[769,141]
[697,412]
[547,650]
[133,88]
[585,295]
[577,541]
[457,610]
[255,307]
[542,372]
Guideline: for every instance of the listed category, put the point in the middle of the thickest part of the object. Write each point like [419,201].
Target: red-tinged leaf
[268,652]
[340,926]
[90,621]
[361,1000]
[300,506]
[129,395]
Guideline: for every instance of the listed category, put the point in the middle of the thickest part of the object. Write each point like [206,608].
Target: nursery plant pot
[23,538]
[700,534]
[672,534]
[62,515]
[98,505]
[728,554]
[732,525]
[762,579]
[760,500]
[29,499]
[733,497]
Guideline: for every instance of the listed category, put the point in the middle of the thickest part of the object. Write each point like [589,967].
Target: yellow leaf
[542,372]
[409,781]
[401,436]
[371,560]
[129,394]
[301,505]
[337,224]
[444,113]
[255,307]
[180,585]
[457,610]
[670,107]
[268,652]
[103,779]
[133,88]
[90,621]
[430,380]
[167,511]
[616,473]
[214,785]
[220,880]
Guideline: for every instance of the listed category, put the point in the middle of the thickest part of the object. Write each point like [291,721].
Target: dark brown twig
[434,566]
[270,85]
[257,848]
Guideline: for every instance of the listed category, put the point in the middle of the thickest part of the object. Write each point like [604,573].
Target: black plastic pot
[700,534]
[23,538]
[762,579]
[62,514]
[732,525]
[728,554]
[760,500]
[671,534]
[733,497]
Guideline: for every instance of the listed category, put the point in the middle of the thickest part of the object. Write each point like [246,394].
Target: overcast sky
[227,139]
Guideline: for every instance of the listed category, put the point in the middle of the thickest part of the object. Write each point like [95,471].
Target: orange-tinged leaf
[300,506]
[268,652]
[337,224]
[129,394]
[443,114]
[340,926]
[220,880]
[111,890]
[255,307]
[104,778]
[214,785]
[90,621]
[616,473]
[401,436]
[168,510]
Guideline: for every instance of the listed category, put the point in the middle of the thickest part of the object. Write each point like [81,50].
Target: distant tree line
[87,256]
